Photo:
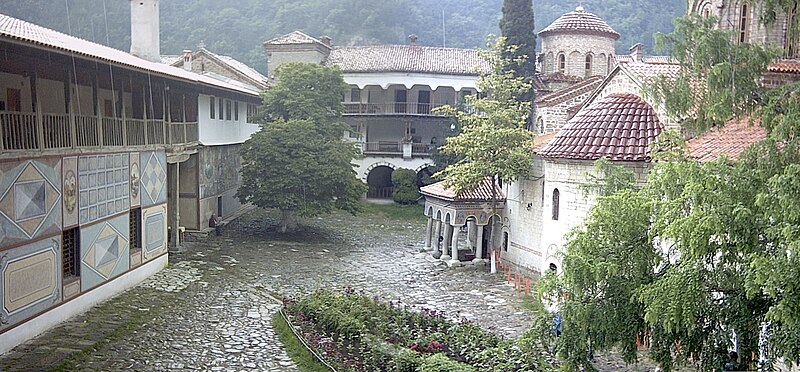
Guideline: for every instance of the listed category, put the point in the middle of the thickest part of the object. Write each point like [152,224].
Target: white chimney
[637,52]
[187,60]
[145,30]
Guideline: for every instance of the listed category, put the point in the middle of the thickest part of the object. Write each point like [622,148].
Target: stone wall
[576,47]
[202,63]
[280,54]
[219,179]
[555,117]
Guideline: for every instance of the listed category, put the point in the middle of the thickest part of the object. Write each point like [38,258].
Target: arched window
[556,197]
[744,26]
[505,241]
[588,65]
[562,62]
[540,125]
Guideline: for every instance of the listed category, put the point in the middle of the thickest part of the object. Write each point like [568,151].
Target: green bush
[440,363]
[407,361]
[405,186]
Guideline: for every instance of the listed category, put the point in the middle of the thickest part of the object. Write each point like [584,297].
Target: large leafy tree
[705,255]
[493,141]
[298,163]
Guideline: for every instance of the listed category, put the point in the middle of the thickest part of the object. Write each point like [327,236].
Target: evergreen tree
[516,27]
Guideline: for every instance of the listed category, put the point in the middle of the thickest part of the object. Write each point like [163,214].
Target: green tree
[298,163]
[516,26]
[404,182]
[493,141]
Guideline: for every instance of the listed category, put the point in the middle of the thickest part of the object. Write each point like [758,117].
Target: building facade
[394,90]
[93,141]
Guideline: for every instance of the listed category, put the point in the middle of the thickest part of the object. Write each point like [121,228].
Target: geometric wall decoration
[69,191]
[153,174]
[30,199]
[154,232]
[30,280]
[134,179]
[103,185]
[105,251]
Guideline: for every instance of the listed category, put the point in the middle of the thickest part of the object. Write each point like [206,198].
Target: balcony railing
[391,108]
[396,148]
[32,131]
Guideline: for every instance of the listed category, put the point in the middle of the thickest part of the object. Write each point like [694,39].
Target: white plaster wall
[407,79]
[80,304]
[219,131]
[279,57]
[365,164]
[567,176]
[51,96]
[145,36]
[522,219]
[575,47]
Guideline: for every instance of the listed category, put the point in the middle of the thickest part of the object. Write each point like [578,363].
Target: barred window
[70,265]
[135,232]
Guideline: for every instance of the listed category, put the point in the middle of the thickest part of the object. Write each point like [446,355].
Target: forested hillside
[237,28]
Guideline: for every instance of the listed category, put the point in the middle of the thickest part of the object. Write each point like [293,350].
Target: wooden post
[73,128]
[96,111]
[37,108]
[122,113]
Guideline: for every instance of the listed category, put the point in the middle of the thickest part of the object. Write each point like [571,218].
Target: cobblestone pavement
[211,308]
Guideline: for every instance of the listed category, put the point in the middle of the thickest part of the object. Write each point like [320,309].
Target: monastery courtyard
[211,308]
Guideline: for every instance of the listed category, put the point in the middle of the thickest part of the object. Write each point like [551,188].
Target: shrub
[407,361]
[440,363]
[405,186]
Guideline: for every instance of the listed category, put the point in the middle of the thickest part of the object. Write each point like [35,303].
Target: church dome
[620,127]
[580,21]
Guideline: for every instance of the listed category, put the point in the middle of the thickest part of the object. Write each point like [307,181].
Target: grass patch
[294,348]
[395,212]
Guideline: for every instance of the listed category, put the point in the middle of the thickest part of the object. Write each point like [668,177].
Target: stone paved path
[211,308]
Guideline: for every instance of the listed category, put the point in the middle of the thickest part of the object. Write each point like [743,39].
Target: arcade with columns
[450,214]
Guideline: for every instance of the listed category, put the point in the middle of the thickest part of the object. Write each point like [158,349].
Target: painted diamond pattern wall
[104,189]
[30,200]
[105,251]
[30,280]
[154,178]
[154,231]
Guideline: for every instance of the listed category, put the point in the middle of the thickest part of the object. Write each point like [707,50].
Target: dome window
[562,62]
[588,65]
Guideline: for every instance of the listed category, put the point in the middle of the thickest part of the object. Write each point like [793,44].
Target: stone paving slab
[211,308]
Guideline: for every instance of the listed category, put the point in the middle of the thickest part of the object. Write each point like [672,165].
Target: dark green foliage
[298,162]
[237,28]
[517,27]
[405,186]
[387,336]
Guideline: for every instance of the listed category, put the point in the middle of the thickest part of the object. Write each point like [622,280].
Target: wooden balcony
[26,131]
[396,148]
[391,108]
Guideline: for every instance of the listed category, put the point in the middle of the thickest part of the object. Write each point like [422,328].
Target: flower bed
[354,332]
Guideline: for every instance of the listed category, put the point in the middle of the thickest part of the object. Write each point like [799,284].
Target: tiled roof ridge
[729,140]
[620,127]
[482,192]
[239,65]
[302,38]
[785,66]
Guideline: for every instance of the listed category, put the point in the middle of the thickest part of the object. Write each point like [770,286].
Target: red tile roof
[620,127]
[408,58]
[543,140]
[580,21]
[728,141]
[570,92]
[791,66]
[481,193]
[560,77]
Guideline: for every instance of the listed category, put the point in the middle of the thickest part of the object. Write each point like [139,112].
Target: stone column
[448,234]
[471,228]
[454,245]
[436,234]
[478,245]
[428,232]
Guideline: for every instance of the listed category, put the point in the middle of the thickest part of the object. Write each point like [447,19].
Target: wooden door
[14,99]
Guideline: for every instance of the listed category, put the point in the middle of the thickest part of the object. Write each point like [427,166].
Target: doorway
[424,102]
[400,99]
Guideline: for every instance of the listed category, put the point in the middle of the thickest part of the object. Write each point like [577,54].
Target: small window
[562,62]
[505,241]
[355,95]
[70,263]
[744,27]
[556,197]
[221,109]
[211,111]
[236,111]
[227,109]
[135,228]
[588,65]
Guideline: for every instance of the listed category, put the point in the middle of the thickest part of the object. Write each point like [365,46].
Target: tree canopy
[299,163]
[702,259]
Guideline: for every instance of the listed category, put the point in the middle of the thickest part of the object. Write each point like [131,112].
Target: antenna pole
[444,32]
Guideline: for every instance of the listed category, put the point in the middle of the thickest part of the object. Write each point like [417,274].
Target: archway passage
[425,176]
[379,181]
